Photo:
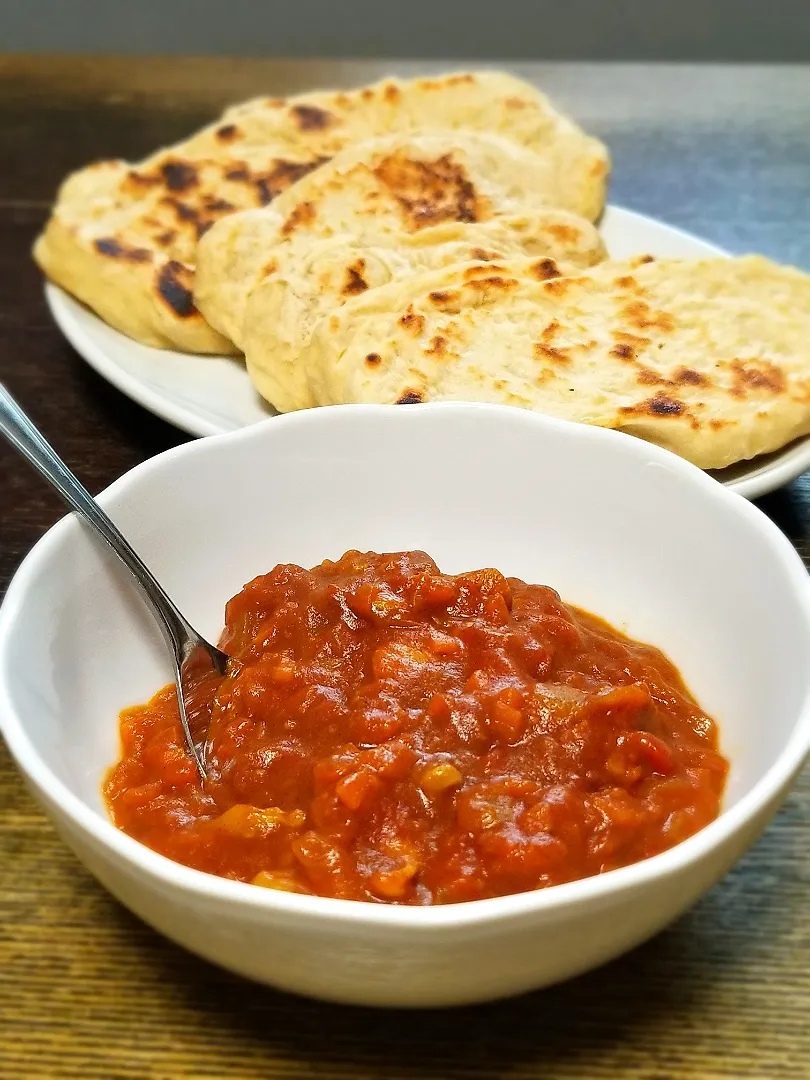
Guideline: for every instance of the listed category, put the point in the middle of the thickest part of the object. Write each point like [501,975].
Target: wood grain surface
[87,991]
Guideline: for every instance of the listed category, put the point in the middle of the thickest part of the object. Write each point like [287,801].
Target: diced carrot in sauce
[439,708]
[357,788]
[284,671]
[444,644]
[432,591]
[506,722]
[397,735]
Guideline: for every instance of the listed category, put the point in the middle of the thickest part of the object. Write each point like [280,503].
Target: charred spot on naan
[623,351]
[412,321]
[482,271]
[174,174]
[373,360]
[627,283]
[179,175]
[482,255]
[430,192]
[448,300]
[174,288]
[215,205]
[185,214]
[115,249]
[439,348]
[565,234]
[199,218]
[270,182]
[312,118]
[501,284]
[136,183]
[462,79]
[756,375]
[559,286]
[302,215]
[489,290]
[203,203]
[689,377]
[545,375]
[411,397]
[556,355]
[227,133]
[354,283]
[661,405]
[281,176]
[545,269]
[647,377]
[641,316]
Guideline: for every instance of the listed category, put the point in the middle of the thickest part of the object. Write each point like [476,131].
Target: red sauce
[397,734]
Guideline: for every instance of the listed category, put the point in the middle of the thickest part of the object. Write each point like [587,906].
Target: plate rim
[60,304]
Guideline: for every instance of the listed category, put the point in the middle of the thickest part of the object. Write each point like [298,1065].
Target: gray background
[742,30]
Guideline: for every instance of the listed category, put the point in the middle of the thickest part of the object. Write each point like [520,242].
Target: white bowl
[619,527]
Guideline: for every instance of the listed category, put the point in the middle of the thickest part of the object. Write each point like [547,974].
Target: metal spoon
[194,657]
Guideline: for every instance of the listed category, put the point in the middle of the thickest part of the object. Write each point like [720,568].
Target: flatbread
[708,358]
[437,198]
[381,191]
[123,237]
[311,279]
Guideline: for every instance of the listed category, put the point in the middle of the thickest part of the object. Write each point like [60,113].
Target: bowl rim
[536,903]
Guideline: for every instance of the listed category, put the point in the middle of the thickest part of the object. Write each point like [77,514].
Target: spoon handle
[25,437]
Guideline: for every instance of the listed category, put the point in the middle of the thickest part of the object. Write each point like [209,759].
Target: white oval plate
[207,395]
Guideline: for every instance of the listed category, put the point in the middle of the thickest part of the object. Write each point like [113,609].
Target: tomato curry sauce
[395,734]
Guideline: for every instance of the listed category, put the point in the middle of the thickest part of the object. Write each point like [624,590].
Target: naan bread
[123,237]
[420,202]
[311,279]
[379,192]
[309,283]
[709,358]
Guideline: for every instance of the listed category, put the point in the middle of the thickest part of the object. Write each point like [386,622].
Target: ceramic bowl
[618,527]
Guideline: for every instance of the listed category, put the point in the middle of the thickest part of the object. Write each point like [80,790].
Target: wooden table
[87,991]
